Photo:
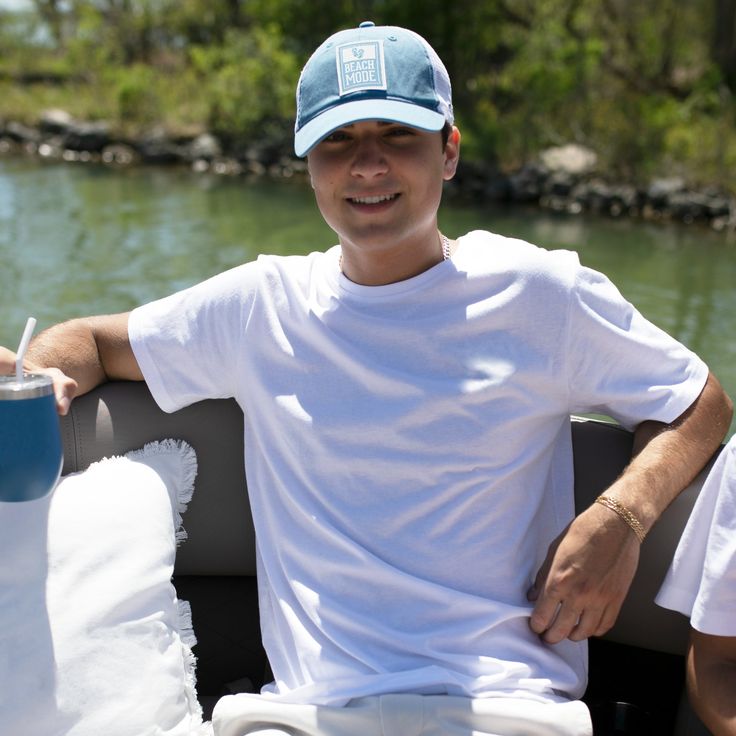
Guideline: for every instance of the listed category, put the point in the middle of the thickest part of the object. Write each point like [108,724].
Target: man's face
[378,185]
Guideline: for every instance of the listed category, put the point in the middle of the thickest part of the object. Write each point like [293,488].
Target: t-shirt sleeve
[701,582]
[622,365]
[188,344]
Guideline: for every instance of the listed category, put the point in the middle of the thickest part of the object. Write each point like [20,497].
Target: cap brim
[354,112]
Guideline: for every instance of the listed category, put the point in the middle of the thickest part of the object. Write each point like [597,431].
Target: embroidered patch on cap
[360,66]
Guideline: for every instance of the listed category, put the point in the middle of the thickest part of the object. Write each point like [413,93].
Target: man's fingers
[556,620]
[588,625]
[544,613]
[65,389]
[608,619]
[563,625]
[7,361]
[568,622]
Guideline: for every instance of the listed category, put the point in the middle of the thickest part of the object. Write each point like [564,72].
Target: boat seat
[216,568]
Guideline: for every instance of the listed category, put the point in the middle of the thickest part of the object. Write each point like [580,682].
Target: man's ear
[452,153]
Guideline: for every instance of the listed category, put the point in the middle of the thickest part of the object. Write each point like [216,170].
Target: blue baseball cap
[371,73]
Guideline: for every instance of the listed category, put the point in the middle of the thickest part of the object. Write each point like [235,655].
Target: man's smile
[373,200]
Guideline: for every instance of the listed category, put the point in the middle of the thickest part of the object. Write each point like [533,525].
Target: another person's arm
[711,680]
[582,584]
[80,354]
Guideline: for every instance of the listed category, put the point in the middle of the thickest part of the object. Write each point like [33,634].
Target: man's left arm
[582,584]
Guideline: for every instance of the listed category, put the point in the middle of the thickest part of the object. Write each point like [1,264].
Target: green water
[77,240]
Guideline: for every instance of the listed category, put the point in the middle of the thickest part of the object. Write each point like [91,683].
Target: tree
[53,14]
[723,49]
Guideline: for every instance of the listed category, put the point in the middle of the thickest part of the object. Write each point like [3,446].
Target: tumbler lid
[33,386]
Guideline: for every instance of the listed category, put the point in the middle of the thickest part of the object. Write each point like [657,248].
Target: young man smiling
[407,403]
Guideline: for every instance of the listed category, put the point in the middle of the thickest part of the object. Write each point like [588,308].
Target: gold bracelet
[633,523]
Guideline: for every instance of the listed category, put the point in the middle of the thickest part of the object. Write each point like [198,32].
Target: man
[407,402]
[701,583]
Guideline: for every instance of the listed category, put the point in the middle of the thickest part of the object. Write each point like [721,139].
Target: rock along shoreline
[561,179]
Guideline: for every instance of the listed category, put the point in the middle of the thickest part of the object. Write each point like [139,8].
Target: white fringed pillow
[93,640]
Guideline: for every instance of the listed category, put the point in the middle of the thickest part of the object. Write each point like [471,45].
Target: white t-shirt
[408,452]
[701,582]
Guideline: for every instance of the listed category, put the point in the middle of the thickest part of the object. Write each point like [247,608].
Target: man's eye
[337,136]
[398,132]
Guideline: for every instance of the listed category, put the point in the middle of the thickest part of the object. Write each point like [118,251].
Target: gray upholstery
[118,417]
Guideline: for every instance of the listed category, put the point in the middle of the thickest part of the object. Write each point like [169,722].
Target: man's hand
[582,584]
[65,388]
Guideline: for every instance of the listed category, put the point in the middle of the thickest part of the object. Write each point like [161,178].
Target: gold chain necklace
[445,247]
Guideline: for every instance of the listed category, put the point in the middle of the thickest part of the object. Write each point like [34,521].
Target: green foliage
[135,93]
[643,83]
[248,81]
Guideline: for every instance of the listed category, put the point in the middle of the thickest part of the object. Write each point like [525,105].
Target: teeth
[373,200]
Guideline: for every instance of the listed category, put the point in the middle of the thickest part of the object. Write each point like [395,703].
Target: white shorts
[401,715]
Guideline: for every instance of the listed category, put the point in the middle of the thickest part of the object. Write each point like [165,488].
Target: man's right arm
[711,680]
[81,354]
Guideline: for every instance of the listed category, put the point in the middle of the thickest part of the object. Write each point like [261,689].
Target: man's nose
[369,159]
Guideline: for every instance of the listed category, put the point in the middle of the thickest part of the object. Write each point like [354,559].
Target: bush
[136,94]
[248,82]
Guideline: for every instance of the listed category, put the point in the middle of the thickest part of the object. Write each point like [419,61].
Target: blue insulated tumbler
[30,442]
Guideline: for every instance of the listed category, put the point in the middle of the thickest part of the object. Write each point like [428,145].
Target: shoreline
[563,179]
